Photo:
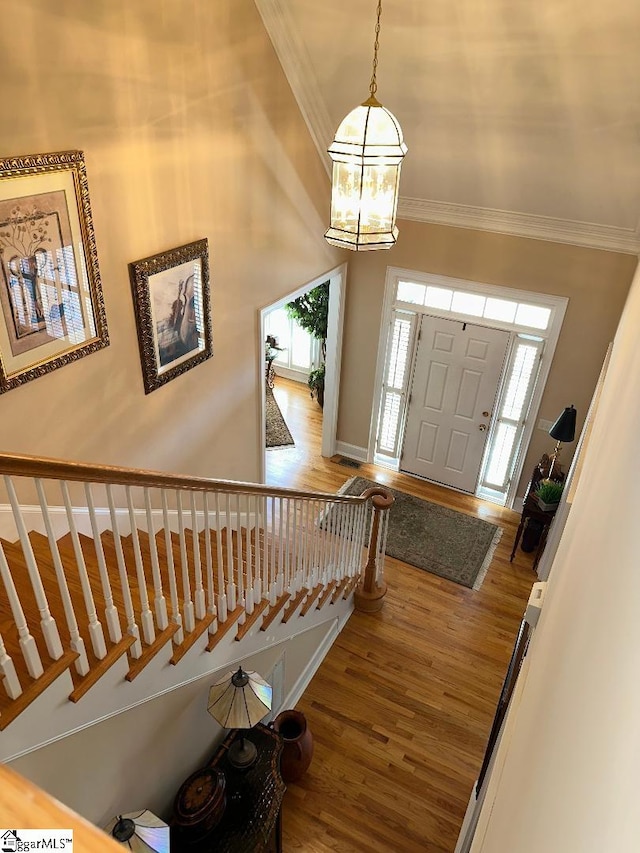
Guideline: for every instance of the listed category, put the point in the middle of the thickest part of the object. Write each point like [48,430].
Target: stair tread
[252,618]
[243,559]
[273,612]
[12,708]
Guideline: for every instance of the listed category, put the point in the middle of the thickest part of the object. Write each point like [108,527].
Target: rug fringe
[343,488]
[484,568]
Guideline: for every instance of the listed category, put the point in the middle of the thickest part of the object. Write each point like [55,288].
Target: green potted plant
[311,312]
[316,384]
[548,494]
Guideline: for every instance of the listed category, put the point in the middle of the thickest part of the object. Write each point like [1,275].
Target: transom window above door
[466,301]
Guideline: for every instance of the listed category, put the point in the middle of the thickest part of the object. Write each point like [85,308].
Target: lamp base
[242,753]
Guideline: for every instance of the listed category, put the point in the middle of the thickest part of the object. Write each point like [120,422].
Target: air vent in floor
[348,463]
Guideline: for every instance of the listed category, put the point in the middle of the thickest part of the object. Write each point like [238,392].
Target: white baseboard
[302,682]
[32,516]
[352,451]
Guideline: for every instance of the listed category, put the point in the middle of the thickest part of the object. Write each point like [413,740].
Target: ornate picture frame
[172,301]
[51,306]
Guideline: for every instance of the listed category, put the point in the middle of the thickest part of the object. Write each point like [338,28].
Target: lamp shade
[564,429]
[239,700]
[367,155]
[140,831]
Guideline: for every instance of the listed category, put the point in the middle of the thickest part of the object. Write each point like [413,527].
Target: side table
[530,509]
[251,822]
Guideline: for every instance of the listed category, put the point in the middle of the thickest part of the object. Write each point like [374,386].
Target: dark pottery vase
[298,744]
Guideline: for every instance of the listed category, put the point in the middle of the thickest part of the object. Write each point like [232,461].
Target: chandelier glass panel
[367,155]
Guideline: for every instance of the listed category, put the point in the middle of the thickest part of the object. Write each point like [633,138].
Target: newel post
[371,590]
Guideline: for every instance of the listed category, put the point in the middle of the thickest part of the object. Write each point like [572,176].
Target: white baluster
[295,545]
[132,627]
[187,607]
[266,551]
[75,640]
[351,545]
[110,610]
[159,602]
[201,607]
[330,516]
[96,633]
[27,643]
[316,546]
[257,579]
[146,616]
[356,551]
[222,593]
[308,549]
[382,548]
[280,576]
[47,622]
[208,556]
[362,533]
[8,673]
[287,555]
[273,589]
[176,616]
[249,603]
[231,585]
[240,572]
[340,551]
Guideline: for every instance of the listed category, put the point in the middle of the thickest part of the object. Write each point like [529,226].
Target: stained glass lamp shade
[239,701]
[141,832]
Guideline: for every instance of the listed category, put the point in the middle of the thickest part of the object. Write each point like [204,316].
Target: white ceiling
[520,116]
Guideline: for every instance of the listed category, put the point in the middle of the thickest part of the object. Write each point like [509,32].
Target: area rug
[447,543]
[277,433]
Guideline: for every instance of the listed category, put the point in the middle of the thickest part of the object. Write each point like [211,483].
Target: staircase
[117,584]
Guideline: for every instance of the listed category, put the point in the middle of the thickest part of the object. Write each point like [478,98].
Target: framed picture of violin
[173,314]
[51,306]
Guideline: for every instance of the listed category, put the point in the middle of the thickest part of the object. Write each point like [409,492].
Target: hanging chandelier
[367,155]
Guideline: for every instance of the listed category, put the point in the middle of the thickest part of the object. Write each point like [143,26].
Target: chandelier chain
[373,86]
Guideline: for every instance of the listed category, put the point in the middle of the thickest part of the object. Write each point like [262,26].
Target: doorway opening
[336,279]
[438,413]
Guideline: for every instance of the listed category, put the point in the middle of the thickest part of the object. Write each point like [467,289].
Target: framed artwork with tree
[51,306]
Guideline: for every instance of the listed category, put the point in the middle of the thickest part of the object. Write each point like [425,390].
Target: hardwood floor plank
[400,709]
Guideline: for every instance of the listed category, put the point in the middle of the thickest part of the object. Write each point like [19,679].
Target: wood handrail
[20,465]
[24,805]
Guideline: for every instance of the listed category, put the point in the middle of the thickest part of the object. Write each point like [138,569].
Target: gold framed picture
[51,306]
[172,301]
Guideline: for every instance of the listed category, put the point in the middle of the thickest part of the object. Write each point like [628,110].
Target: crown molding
[296,64]
[588,234]
[298,70]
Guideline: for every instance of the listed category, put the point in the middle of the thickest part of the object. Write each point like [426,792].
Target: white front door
[455,382]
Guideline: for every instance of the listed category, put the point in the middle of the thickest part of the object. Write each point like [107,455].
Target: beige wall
[595,282]
[189,130]
[566,770]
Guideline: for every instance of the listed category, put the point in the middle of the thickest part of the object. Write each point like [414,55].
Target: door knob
[482,427]
[485,414]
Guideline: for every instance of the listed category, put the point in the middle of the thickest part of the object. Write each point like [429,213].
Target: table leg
[541,544]
[517,539]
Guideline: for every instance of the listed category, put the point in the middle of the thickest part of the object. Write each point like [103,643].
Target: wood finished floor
[401,707]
